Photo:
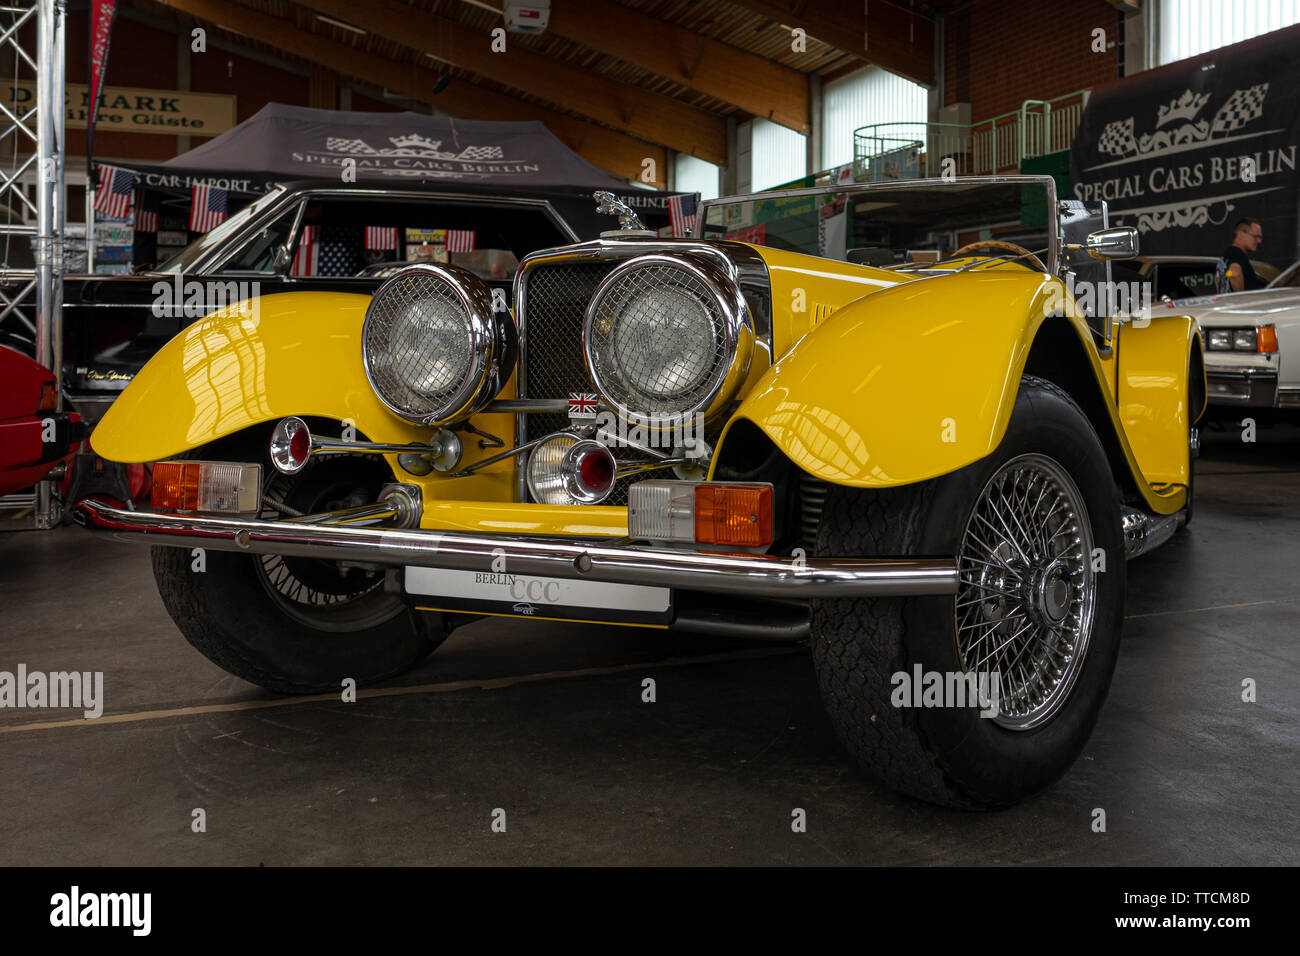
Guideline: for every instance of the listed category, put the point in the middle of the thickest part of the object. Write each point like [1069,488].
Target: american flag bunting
[381,237]
[681,213]
[460,240]
[307,259]
[113,197]
[207,208]
[146,215]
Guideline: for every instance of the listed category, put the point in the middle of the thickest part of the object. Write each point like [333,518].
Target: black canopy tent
[281,143]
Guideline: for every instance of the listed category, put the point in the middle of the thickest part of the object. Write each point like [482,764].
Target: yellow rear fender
[919,380]
[298,353]
[1162,392]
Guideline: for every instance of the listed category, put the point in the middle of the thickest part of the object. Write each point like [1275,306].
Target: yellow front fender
[297,353]
[919,380]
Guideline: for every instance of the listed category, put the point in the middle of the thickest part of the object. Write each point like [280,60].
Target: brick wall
[999,54]
[144,56]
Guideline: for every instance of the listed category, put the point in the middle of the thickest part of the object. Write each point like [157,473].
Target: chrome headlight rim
[491,342]
[735,328]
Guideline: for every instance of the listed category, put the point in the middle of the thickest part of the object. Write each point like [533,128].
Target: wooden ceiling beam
[622,106]
[750,82]
[884,32]
[617,153]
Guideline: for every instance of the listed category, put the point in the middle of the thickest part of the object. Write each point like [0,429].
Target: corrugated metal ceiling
[720,20]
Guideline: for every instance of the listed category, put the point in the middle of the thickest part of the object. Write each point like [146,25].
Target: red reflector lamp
[566,469]
[291,443]
[221,487]
[49,397]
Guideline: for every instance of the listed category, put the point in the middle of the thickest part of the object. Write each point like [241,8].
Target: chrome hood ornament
[608,204]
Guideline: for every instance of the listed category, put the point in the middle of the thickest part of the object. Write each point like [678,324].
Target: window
[183,260]
[777,155]
[868,96]
[258,254]
[1191,27]
[342,236]
[694,175]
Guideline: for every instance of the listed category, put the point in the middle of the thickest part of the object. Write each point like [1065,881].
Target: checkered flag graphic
[339,144]
[1117,138]
[482,152]
[1242,107]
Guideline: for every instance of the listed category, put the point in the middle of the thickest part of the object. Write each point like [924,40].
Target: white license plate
[534,596]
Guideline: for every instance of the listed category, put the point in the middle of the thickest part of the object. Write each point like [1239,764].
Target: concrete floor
[551,728]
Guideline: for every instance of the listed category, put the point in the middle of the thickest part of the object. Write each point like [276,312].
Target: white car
[1252,343]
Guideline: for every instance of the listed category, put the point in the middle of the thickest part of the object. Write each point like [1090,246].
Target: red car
[34,436]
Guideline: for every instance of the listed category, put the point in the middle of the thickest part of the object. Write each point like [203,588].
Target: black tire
[951,755]
[239,613]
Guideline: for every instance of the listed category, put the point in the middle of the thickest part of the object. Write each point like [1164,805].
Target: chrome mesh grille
[557,299]
[417,343]
[554,309]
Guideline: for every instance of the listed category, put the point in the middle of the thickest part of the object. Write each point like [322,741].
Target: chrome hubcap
[1024,606]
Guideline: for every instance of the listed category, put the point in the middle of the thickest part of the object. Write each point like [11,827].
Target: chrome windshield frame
[1053,225]
[210,263]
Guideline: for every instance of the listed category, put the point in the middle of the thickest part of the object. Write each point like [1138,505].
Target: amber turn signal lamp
[214,486]
[733,515]
[1267,339]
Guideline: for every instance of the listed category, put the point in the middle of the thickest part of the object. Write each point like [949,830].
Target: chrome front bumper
[1241,387]
[590,559]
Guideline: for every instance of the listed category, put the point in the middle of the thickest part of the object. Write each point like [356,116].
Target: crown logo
[1184,108]
[414,141]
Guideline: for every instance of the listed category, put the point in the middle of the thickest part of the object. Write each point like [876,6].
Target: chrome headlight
[667,335]
[434,350]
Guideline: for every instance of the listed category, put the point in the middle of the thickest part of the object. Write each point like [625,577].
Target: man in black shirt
[1235,273]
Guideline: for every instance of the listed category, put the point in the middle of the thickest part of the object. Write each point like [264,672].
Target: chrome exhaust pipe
[1144,532]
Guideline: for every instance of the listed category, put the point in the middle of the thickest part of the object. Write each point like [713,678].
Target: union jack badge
[582,404]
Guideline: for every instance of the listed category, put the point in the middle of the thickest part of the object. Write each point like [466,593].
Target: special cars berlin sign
[1184,151]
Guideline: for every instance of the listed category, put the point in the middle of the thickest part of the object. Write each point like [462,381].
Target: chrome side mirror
[1120,242]
[283,256]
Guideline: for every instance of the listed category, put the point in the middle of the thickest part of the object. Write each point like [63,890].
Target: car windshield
[903,226]
[1290,279]
[185,259]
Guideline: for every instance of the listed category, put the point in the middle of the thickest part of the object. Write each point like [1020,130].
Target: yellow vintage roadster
[914,423]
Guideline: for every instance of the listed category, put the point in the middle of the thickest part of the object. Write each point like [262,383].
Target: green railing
[989,146]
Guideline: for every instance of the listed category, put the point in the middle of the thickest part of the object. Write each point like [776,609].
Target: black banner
[1232,908]
[102,15]
[1184,151]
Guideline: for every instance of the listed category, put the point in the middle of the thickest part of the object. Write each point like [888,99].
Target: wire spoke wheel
[1024,605]
[327,595]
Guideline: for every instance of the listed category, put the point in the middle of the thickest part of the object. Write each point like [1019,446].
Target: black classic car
[321,236]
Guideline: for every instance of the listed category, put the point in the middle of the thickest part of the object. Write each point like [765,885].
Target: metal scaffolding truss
[32,147]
